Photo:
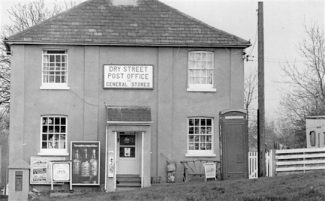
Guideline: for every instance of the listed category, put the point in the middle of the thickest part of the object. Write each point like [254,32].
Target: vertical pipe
[115,158]
[142,159]
[106,156]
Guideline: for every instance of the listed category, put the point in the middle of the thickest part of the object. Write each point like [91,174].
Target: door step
[119,189]
[128,175]
[128,181]
[125,179]
[128,184]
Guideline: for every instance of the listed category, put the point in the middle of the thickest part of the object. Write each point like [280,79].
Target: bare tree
[4,77]
[22,16]
[307,96]
[307,92]
[250,95]
[250,91]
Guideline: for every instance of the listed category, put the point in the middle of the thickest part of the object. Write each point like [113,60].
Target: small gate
[252,165]
[234,142]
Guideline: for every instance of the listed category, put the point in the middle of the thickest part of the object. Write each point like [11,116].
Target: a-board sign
[40,168]
[128,76]
[210,170]
[60,172]
[85,157]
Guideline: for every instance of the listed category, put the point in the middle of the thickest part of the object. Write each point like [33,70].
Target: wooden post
[273,162]
[261,101]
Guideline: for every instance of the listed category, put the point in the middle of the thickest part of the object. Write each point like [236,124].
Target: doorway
[128,153]
[128,156]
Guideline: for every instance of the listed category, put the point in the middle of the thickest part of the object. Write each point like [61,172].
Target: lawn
[299,187]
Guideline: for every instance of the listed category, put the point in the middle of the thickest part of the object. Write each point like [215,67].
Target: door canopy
[131,114]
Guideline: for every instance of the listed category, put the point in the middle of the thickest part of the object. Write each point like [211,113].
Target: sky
[284,31]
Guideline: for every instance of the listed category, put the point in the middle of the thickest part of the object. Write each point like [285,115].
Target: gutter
[9,43]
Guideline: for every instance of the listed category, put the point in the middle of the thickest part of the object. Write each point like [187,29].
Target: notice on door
[128,76]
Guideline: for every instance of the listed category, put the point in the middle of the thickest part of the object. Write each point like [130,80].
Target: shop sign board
[40,169]
[61,172]
[128,76]
[85,157]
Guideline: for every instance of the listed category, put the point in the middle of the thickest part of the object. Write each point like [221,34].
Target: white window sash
[200,152]
[201,71]
[59,150]
[53,75]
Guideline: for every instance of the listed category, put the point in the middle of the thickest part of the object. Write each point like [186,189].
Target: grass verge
[298,187]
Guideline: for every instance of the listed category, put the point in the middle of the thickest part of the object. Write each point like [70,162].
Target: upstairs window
[201,71]
[200,136]
[55,69]
[53,135]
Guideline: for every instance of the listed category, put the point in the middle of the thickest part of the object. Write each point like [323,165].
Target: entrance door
[128,153]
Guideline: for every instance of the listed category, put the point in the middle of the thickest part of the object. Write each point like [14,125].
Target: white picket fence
[253,164]
[269,163]
[288,161]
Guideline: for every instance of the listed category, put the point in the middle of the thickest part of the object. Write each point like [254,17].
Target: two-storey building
[141,78]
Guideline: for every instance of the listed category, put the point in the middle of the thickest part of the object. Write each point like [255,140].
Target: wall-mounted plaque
[128,76]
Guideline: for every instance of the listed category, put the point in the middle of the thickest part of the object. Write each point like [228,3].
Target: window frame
[312,138]
[53,151]
[201,87]
[55,85]
[200,153]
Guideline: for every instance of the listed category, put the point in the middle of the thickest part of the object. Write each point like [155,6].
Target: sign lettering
[128,76]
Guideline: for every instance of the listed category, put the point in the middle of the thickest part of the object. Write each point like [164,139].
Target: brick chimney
[125,2]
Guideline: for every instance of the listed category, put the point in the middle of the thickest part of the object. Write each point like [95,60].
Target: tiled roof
[149,23]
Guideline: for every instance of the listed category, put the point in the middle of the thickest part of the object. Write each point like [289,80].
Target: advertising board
[85,157]
[40,169]
[61,171]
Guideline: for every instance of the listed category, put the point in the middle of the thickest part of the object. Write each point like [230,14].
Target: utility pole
[261,101]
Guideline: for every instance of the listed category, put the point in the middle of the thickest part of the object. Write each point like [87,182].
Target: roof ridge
[201,22]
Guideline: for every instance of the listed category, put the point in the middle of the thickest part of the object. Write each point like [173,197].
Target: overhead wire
[275,60]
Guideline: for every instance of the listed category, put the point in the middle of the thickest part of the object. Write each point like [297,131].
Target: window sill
[200,155]
[201,89]
[54,87]
[53,153]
